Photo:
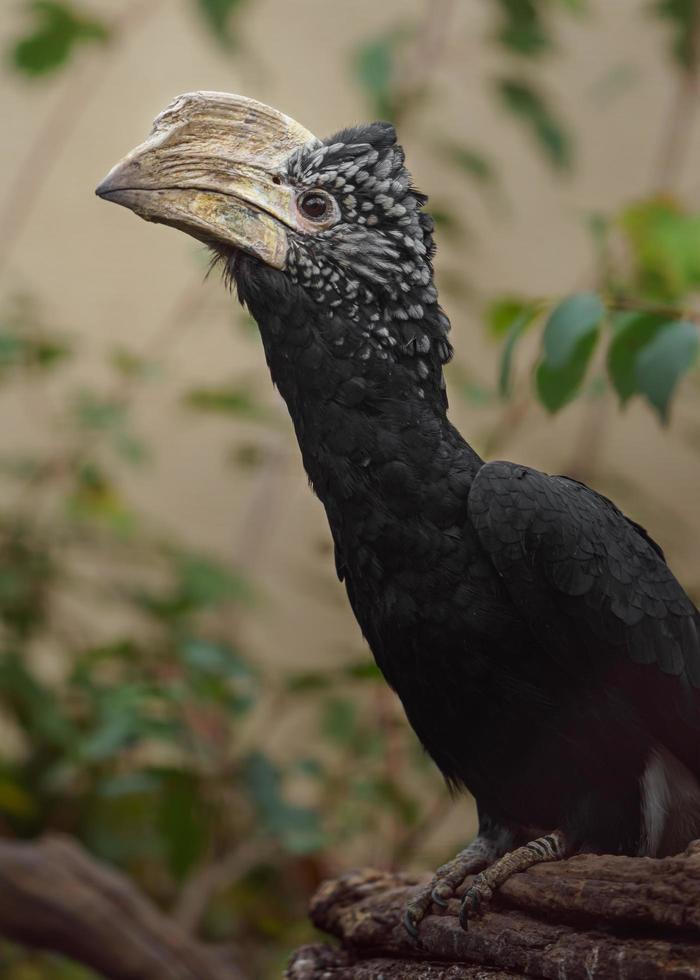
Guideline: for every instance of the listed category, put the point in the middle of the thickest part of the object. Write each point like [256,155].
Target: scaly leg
[552,847]
[479,854]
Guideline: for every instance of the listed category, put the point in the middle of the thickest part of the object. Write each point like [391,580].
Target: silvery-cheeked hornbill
[545,655]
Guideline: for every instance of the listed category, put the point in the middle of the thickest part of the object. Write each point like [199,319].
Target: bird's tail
[670,805]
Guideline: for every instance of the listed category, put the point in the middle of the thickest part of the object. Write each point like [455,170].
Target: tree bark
[54,896]
[592,917]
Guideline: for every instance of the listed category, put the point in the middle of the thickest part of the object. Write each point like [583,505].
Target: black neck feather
[374,435]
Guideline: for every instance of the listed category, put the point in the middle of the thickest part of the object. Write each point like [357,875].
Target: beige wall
[107,278]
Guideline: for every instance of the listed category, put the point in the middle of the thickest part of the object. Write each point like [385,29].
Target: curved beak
[211,167]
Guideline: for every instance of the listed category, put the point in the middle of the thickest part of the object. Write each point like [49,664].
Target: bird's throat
[391,471]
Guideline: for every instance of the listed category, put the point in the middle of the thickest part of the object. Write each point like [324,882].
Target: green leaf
[472,162]
[390,795]
[448,224]
[373,65]
[124,715]
[665,245]
[522,28]
[218,672]
[475,394]
[23,347]
[340,721]
[505,369]
[96,413]
[131,365]
[203,582]
[199,583]
[57,29]
[363,670]
[569,338]
[182,820]
[128,784]
[309,766]
[11,350]
[573,320]
[524,102]
[115,731]
[15,801]
[23,466]
[130,448]
[225,399]
[307,681]
[631,332]
[683,17]
[664,360]
[557,386]
[501,313]
[96,498]
[47,353]
[28,574]
[35,707]
[211,658]
[219,16]
[297,827]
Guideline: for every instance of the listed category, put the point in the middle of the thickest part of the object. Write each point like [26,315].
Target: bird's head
[331,227]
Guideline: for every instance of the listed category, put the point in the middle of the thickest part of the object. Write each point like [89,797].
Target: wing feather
[579,571]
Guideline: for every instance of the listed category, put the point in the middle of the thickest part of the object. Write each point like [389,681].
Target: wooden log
[592,917]
[312,962]
[54,896]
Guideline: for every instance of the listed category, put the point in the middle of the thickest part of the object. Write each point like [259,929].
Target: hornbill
[544,653]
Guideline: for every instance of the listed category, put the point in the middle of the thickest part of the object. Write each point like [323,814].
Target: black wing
[591,583]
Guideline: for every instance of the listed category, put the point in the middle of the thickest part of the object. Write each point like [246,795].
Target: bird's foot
[445,882]
[551,847]
[475,900]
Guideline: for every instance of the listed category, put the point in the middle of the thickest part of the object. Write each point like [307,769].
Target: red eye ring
[315,205]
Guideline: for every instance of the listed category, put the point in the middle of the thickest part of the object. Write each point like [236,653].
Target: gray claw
[473,906]
[438,898]
[410,925]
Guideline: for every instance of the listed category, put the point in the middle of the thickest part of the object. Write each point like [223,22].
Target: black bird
[545,655]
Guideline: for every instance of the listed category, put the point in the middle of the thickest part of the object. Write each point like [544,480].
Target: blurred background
[182,686]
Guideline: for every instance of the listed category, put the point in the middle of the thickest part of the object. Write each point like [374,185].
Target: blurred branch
[23,192]
[257,521]
[673,150]
[216,875]
[512,417]
[412,842]
[54,896]
[589,441]
[678,130]
[431,39]
[670,312]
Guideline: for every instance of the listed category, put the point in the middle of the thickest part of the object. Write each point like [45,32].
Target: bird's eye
[315,205]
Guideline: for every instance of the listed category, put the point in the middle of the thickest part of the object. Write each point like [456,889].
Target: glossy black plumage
[541,647]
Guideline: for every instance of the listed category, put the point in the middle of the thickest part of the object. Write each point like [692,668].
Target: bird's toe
[417,909]
[442,893]
[474,903]
[410,924]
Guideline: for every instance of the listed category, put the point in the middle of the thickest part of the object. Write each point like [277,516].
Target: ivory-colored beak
[211,167]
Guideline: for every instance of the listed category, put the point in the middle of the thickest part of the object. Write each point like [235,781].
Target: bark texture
[589,918]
